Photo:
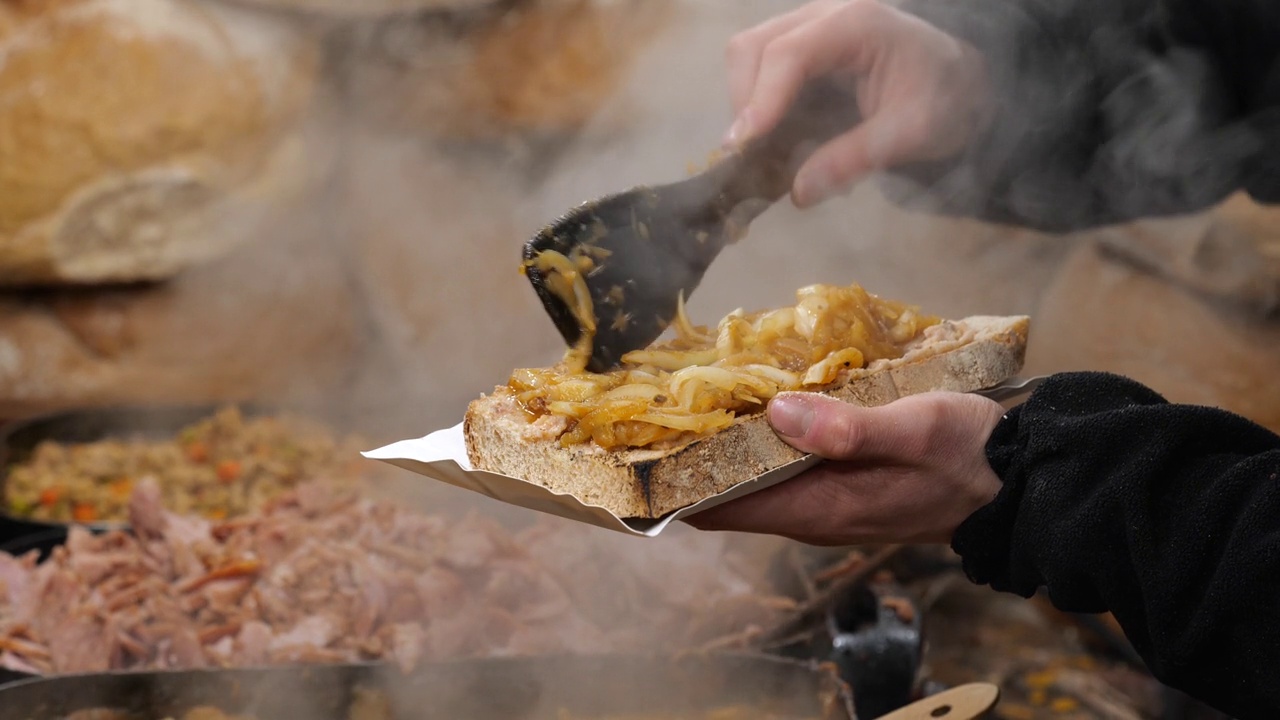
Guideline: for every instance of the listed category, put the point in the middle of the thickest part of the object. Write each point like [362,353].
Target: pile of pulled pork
[322,575]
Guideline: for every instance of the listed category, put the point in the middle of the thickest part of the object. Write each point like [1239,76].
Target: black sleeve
[1110,110]
[1166,515]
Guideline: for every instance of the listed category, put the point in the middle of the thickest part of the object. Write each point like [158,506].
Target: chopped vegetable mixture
[225,466]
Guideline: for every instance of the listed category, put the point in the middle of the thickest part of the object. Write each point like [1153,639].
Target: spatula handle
[765,169]
[966,702]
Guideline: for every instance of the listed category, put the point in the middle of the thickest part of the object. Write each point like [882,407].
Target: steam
[430,237]
[433,236]
[1105,117]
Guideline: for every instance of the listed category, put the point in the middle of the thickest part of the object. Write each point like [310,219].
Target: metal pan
[18,440]
[492,689]
[8,676]
[42,542]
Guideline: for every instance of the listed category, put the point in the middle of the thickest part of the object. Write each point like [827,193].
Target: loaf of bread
[531,69]
[1107,313]
[961,356]
[1230,253]
[363,9]
[242,327]
[137,136]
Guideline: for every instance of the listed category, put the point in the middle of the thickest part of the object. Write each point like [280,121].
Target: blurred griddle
[497,689]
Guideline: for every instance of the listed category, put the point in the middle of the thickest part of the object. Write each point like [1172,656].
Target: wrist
[979,484]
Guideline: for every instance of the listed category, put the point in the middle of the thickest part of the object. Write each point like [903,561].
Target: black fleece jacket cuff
[1166,515]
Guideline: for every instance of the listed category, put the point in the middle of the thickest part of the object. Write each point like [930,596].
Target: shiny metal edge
[1013,387]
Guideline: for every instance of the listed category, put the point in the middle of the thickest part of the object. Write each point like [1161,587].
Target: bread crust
[164,172]
[957,356]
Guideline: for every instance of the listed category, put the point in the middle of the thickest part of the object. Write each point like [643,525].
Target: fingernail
[790,416]
[738,131]
[811,186]
[800,194]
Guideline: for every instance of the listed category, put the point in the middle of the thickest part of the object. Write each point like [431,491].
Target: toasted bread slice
[958,356]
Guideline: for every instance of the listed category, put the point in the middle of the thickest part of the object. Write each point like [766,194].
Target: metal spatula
[641,250]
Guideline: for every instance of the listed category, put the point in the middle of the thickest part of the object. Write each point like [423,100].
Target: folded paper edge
[591,514]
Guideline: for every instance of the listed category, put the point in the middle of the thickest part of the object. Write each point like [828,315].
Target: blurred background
[294,200]
[320,204]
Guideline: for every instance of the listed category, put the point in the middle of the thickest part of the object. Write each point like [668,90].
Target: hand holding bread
[909,471]
[684,420]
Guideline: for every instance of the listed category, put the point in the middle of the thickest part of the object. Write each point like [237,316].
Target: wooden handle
[959,703]
[766,167]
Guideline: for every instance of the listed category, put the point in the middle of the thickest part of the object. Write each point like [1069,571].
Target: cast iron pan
[19,440]
[491,689]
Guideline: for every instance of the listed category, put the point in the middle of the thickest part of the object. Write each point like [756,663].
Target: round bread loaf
[274,321]
[532,68]
[1241,216]
[136,136]
[1231,253]
[1192,346]
[356,9]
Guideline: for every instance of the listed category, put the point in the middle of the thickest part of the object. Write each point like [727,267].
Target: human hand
[910,471]
[922,93]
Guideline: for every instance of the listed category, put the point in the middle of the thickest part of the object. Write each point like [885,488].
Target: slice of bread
[958,356]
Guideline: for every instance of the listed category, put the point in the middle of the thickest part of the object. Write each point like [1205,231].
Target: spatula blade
[640,251]
[638,254]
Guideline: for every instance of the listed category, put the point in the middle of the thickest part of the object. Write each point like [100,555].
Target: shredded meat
[324,575]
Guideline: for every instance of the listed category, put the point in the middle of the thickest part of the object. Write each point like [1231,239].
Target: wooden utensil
[642,250]
[966,702]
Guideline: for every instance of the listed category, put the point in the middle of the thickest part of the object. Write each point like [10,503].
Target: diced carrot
[122,488]
[83,512]
[1041,679]
[242,568]
[49,497]
[228,471]
[217,514]
[198,451]
[1064,705]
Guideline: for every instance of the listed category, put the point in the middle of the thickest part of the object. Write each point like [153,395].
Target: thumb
[838,430]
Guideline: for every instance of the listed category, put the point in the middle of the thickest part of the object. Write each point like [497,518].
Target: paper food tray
[442,456]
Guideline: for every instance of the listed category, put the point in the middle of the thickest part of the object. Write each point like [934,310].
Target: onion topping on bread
[700,381]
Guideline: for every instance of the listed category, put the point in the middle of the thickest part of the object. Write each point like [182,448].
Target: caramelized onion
[701,381]
[686,330]
[671,360]
[565,278]
[827,370]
